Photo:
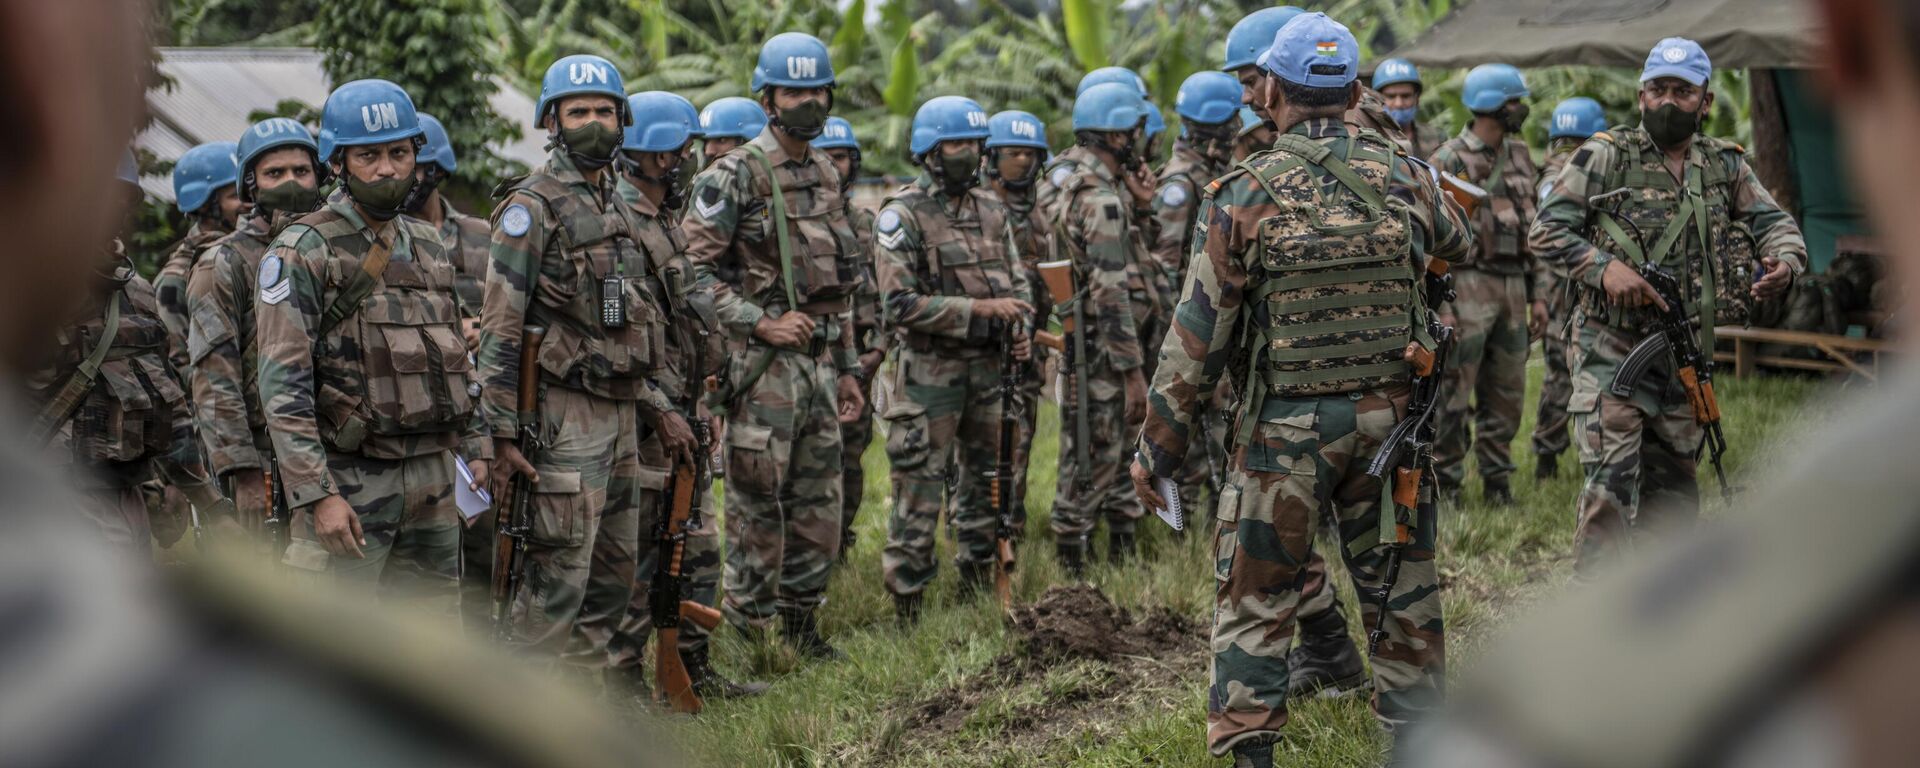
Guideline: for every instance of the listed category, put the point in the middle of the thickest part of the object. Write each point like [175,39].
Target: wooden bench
[1840,351]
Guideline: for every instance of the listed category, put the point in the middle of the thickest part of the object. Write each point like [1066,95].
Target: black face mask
[591,146]
[671,181]
[1020,184]
[956,173]
[380,200]
[423,190]
[1669,125]
[290,197]
[1513,118]
[804,122]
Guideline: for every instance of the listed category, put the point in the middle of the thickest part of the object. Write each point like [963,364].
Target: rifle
[1677,342]
[1058,275]
[1000,477]
[680,514]
[279,520]
[1408,450]
[514,524]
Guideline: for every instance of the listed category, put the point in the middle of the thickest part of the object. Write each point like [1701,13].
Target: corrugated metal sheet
[215,89]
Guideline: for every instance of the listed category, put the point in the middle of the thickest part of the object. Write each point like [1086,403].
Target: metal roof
[215,89]
[1738,34]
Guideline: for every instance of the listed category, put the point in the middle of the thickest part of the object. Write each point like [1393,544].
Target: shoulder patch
[1174,195]
[1059,175]
[516,220]
[1113,211]
[274,285]
[709,203]
[1581,157]
[889,221]
[890,232]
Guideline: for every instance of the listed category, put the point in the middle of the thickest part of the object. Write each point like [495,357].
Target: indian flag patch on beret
[1328,48]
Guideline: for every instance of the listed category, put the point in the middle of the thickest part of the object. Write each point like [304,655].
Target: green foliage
[438,51]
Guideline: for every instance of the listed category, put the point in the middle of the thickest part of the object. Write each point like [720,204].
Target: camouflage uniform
[1423,140]
[220,343]
[374,408]
[130,425]
[1175,199]
[1029,240]
[557,239]
[868,337]
[1639,452]
[937,255]
[783,505]
[1313,417]
[468,241]
[1094,227]
[1550,437]
[1487,377]
[170,283]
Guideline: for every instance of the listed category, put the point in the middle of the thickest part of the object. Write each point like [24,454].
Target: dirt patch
[1079,662]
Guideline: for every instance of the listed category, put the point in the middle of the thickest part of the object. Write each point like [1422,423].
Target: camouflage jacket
[1046,185]
[1175,198]
[468,240]
[1423,140]
[1567,232]
[869,322]
[133,422]
[1559,151]
[170,285]
[220,335]
[558,242]
[1215,326]
[1371,114]
[937,255]
[389,380]
[1093,226]
[658,234]
[729,213]
[1512,200]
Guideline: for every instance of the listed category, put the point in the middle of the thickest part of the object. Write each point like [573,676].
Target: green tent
[1794,153]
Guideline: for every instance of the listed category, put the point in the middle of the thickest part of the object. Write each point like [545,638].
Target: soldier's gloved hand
[1626,288]
[676,436]
[338,527]
[851,401]
[1143,486]
[1774,281]
[509,461]
[1536,320]
[1136,399]
[1004,310]
[251,500]
[789,331]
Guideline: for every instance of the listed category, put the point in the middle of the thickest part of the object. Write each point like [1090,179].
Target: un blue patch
[270,270]
[515,220]
[889,221]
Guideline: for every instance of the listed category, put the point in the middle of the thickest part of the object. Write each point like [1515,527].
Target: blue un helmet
[438,149]
[1121,75]
[837,134]
[793,60]
[1108,107]
[1209,98]
[201,171]
[1395,72]
[1249,120]
[732,118]
[1156,122]
[1014,128]
[943,118]
[366,112]
[1251,36]
[581,73]
[1489,86]
[268,135]
[659,124]
[688,111]
[1315,51]
[1577,118]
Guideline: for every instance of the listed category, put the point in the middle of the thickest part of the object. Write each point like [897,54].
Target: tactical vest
[397,366]
[126,412]
[1504,219]
[957,256]
[825,252]
[1337,280]
[660,238]
[1143,274]
[1666,221]
[578,351]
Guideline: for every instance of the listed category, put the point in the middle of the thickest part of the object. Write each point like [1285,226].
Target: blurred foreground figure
[108,664]
[1785,636]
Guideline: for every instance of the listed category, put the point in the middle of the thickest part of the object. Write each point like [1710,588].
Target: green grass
[863,711]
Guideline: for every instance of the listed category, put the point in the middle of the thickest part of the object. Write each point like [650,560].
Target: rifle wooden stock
[669,672]
[1467,195]
[705,616]
[1051,340]
[1058,275]
[1706,407]
[1406,491]
[1420,359]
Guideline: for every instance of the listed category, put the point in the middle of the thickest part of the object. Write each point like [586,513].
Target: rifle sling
[358,289]
[61,407]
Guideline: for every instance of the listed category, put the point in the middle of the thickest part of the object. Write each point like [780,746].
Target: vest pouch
[116,423]
[824,265]
[342,424]
[453,367]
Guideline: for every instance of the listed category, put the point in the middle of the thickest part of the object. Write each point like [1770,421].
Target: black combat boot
[1073,558]
[1249,754]
[709,683]
[803,633]
[1121,546]
[1497,493]
[1325,664]
[1546,466]
[847,537]
[906,610]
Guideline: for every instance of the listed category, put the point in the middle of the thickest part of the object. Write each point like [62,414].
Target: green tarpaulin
[1738,34]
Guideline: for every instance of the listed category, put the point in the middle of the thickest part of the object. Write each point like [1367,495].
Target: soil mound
[1078,621]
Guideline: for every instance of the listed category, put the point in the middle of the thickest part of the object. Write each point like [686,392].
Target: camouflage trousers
[938,399]
[1203,471]
[1640,455]
[783,487]
[1086,494]
[1305,455]
[854,439]
[1550,437]
[1026,401]
[406,509]
[585,530]
[699,564]
[1486,380]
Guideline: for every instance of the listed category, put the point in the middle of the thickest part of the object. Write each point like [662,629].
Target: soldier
[1208,105]
[280,177]
[1096,226]
[467,239]
[775,205]
[1250,37]
[1400,88]
[843,148]
[363,376]
[1574,121]
[1047,191]
[727,123]
[1320,401]
[1255,135]
[203,189]
[1016,147]
[565,259]
[655,145]
[956,299]
[1685,193]
[1500,302]
[108,402]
